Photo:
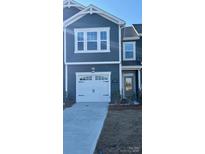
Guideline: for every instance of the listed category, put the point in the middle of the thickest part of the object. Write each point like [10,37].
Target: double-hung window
[92,40]
[103,40]
[129,52]
[80,41]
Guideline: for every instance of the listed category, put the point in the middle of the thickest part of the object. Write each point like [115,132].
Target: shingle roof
[128,32]
[138,28]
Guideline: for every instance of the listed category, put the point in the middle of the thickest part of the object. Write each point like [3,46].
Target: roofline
[76,4]
[139,34]
[89,9]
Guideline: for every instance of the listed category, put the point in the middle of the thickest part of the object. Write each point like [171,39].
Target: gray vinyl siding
[92,21]
[114,69]
[68,12]
[138,54]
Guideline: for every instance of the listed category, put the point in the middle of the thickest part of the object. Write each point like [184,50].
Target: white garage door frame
[95,73]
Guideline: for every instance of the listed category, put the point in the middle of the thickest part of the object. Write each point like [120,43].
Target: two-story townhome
[101,55]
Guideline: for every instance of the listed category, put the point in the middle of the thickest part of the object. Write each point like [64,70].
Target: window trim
[134,51]
[98,30]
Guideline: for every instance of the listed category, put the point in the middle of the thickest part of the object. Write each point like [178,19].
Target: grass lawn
[121,133]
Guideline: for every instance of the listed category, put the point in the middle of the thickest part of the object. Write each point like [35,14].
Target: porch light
[93,69]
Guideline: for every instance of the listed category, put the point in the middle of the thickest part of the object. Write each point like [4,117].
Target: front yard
[122,132]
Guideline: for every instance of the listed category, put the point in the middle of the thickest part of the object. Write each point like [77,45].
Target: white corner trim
[134,51]
[64,35]
[139,80]
[90,10]
[92,63]
[96,29]
[120,60]
[66,78]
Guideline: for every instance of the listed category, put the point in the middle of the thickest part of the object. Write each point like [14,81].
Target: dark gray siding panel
[93,21]
[114,69]
[138,54]
[68,12]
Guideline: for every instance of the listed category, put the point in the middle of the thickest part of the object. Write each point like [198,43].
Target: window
[92,40]
[80,41]
[101,77]
[103,40]
[85,78]
[129,51]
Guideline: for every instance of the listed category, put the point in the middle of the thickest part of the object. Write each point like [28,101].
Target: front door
[129,87]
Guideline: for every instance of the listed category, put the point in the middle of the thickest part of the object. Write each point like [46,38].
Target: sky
[128,10]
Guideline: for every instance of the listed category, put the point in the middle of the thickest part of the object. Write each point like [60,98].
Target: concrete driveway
[82,124]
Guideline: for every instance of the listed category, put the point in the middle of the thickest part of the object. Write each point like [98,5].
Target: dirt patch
[122,133]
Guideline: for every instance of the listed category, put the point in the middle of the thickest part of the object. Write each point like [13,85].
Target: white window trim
[134,51]
[98,30]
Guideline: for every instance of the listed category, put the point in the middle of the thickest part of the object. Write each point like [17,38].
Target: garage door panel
[93,88]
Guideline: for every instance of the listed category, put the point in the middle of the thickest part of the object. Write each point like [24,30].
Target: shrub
[139,96]
[69,99]
[116,97]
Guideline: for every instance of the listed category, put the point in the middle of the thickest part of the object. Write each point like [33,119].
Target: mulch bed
[122,131]
[125,106]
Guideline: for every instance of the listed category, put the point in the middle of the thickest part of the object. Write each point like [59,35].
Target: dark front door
[128,86]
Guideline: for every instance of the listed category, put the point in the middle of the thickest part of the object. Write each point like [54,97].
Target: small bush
[69,100]
[116,97]
[139,96]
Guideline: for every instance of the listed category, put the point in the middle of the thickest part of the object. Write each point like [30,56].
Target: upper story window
[92,40]
[129,52]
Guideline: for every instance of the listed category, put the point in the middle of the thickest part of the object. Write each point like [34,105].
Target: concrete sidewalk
[82,124]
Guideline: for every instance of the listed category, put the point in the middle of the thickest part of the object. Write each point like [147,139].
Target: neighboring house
[101,55]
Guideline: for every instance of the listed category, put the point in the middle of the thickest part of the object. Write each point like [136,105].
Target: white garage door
[93,87]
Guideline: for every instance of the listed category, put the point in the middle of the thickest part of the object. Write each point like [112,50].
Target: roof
[129,32]
[138,28]
[91,9]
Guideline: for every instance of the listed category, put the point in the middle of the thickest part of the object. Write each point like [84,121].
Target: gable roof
[91,9]
[129,32]
[72,3]
[138,28]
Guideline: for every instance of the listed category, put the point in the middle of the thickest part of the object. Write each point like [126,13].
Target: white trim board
[131,67]
[130,38]
[94,73]
[72,3]
[90,10]
[92,63]
[66,78]
[64,39]
[120,60]
[139,34]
